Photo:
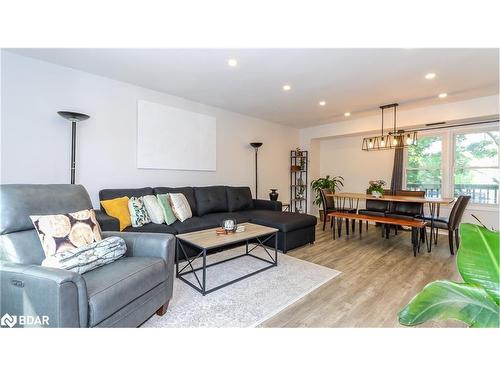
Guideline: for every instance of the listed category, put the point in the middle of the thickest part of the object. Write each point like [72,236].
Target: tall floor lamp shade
[256,146]
[74,117]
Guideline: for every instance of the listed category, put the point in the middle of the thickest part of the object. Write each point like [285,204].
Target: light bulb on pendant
[370,143]
[395,141]
[408,140]
[382,142]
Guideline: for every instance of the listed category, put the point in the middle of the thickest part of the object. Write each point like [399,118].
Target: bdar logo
[8,320]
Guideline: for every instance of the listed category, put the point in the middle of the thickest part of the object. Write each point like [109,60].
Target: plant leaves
[478,257]
[449,300]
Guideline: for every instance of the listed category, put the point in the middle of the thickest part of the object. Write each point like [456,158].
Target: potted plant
[376,188]
[475,301]
[332,183]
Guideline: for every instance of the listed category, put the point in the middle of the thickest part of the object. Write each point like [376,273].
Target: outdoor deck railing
[483,194]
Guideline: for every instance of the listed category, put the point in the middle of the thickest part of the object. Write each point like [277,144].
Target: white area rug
[246,303]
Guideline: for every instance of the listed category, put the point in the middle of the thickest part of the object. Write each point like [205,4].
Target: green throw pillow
[167,210]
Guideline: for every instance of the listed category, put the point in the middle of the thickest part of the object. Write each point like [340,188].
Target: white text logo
[8,320]
[24,320]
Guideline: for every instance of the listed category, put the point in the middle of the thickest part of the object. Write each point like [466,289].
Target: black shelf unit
[298,180]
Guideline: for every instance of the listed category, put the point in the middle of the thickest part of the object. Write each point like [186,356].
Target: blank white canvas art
[173,138]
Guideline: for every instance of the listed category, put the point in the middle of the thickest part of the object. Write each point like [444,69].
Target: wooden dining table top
[393,198]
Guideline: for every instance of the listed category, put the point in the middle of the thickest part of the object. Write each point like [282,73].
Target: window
[476,171]
[424,166]
[457,161]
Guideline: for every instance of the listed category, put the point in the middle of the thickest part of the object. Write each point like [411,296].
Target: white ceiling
[349,80]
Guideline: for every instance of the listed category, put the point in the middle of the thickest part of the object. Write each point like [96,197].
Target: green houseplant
[476,300]
[332,183]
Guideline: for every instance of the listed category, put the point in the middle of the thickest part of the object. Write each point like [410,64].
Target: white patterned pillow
[180,206]
[66,231]
[138,214]
[86,258]
[154,209]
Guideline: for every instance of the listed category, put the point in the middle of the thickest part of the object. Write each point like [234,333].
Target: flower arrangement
[376,187]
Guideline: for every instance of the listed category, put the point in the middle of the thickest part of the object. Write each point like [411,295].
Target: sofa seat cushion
[193,224]
[210,199]
[401,216]
[239,198]
[112,287]
[284,221]
[438,224]
[153,228]
[371,213]
[216,218]
[429,218]
[377,205]
[407,208]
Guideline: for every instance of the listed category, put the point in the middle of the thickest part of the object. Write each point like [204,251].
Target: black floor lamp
[256,146]
[74,117]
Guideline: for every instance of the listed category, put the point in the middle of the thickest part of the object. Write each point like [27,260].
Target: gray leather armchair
[124,293]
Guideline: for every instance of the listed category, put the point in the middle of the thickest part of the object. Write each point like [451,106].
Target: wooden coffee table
[205,240]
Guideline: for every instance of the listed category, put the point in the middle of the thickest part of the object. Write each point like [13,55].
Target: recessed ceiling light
[347,114]
[443,95]
[232,62]
[287,87]
[322,103]
[430,76]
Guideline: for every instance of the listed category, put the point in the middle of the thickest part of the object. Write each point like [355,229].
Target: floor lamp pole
[256,146]
[73,151]
[256,173]
[74,117]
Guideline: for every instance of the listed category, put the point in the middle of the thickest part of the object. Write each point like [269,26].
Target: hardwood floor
[379,277]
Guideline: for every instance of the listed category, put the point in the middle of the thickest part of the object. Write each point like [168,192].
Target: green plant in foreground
[474,302]
[332,183]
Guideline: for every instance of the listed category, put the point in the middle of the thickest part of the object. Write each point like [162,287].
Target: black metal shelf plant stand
[202,284]
[298,180]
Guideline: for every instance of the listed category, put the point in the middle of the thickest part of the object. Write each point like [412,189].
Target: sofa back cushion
[188,192]
[19,242]
[239,198]
[210,199]
[108,194]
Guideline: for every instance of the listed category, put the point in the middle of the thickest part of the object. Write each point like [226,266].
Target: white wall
[35,141]
[343,156]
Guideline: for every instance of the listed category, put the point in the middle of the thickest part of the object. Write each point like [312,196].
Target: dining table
[434,203]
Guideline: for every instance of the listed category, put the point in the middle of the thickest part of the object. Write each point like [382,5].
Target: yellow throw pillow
[118,208]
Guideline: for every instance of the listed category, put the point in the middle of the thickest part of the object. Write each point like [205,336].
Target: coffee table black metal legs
[202,284]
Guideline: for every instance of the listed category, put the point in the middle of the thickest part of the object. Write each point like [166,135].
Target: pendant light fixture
[394,139]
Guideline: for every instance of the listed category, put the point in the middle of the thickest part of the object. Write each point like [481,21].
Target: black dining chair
[375,207]
[452,222]
[406,210]
[330,205]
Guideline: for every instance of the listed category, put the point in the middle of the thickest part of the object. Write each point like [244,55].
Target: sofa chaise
[212,204]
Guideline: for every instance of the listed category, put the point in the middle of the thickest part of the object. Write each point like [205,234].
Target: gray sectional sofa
[211,204]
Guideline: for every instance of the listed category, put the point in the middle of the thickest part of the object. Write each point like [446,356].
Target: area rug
[246,303]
